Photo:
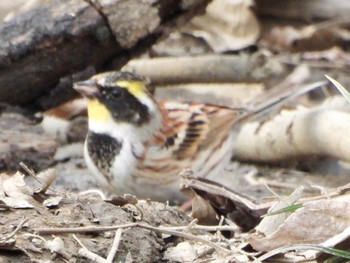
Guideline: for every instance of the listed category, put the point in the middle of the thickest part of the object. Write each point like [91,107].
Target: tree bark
[41,49]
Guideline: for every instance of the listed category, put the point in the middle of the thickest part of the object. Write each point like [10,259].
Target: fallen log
[295,135]
[57,39]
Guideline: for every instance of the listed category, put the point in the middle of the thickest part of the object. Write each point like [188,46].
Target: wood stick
[206,69]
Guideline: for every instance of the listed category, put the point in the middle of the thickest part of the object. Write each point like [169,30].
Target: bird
[137,145]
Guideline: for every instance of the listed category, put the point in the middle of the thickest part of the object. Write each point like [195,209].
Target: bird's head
[118,97]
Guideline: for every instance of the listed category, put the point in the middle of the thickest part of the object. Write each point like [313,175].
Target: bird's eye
[116,93]
[103,93]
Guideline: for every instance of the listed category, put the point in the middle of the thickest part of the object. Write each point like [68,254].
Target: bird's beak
[87,88]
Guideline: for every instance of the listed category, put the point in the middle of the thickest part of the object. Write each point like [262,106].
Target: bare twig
[192,224]
[84,252]
[205,228]
[115,246]
[94,229]
[94,191]
[18,228]
[187,236]
[175,231]
[31,173]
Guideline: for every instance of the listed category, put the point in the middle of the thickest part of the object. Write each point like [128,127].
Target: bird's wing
[190,127]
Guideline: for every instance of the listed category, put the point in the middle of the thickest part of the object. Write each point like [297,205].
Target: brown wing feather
[220,120]
[189,127]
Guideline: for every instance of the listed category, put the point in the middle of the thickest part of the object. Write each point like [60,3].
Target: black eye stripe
[112,92]
[117,93]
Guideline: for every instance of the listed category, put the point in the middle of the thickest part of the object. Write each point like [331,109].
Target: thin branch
[186,236]
[31,173]
[115,246]
[18,228]
[175,231]
[84,252]
[204,228]
[94,229]
[76,230]
[94,191]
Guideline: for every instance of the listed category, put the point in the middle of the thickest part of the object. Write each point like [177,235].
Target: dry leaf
[203,211]
[122,200]
[270,223]
[52,201]
[56,245]
[335,54]
[8,244]
[46,178]
[226,202]
[308,38]
[227,25]
[16,202]
[183,252]
[316,222]
[14,185]
[330,243]
[14,192]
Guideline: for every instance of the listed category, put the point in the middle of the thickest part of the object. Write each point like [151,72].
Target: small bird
[139,146]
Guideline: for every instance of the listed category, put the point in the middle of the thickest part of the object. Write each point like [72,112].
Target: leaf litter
[45,225]
[40,223]
[63,226]
[316,225]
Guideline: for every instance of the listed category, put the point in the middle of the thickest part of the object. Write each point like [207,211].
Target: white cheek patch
[149,103]
[127,131]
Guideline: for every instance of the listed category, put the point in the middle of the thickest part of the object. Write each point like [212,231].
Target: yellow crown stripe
[136,88]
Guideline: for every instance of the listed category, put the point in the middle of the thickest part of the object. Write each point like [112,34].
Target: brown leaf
[237,207]
[316,222]
[46,178]
[119,200]
[203,211]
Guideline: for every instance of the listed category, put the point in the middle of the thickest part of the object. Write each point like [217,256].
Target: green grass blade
[330,251]
[290,208]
